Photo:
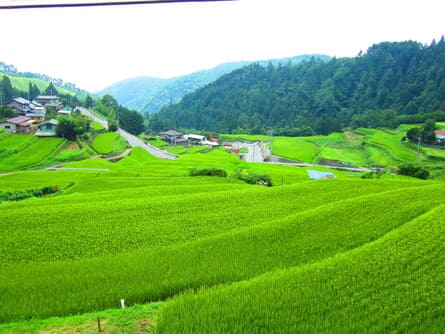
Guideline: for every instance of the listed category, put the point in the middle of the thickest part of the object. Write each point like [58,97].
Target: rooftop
[21,120]
[46,97]
[49,121]
[21,100]
[171,133]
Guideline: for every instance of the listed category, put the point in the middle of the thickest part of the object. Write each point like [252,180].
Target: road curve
[135,141]
[85,111]
[131,139]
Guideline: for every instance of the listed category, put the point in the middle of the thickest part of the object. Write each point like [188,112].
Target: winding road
[131,139]
[136,141]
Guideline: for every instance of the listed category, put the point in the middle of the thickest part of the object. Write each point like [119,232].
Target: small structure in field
[192,138]
[318,175]
[440,136]
[199,140]
[67,111]
[19,124]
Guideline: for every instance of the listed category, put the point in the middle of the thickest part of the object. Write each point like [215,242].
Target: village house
[18,124]
[47,128]
[36,116]
[22,106]
[49,101]
[173,137]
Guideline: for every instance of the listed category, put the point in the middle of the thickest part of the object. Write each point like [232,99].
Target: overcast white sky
[95,47]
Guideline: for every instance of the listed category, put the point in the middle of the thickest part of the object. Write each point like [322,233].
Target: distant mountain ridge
[151,94]
[390,84]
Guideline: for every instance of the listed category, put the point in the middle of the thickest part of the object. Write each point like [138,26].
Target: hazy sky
[94,47]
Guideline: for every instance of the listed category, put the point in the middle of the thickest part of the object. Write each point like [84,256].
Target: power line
[22,5]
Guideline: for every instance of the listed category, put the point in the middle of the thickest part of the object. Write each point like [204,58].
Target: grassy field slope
[31,155]
[393,284]
[22,84]
[109,142]
[220,254]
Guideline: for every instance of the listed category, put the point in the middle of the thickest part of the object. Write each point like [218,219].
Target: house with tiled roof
[49,101]
[22,106]
[19,124]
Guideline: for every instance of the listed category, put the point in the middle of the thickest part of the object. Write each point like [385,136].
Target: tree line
[117,115]
[392,83]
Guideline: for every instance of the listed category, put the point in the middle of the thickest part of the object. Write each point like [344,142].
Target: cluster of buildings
[29,116]
[179,138]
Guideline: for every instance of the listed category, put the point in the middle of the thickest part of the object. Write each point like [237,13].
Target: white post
[122,303]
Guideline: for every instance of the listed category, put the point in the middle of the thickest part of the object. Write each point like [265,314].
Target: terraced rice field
[32,154]
[109,142]
[222,256]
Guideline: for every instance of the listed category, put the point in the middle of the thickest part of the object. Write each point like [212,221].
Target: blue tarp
[317,175]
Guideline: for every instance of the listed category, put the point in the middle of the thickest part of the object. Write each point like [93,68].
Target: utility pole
[418,148]
[271,140]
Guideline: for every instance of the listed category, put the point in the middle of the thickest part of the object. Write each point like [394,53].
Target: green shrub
[414,171]
[254,178]
[207,172]
[18,195]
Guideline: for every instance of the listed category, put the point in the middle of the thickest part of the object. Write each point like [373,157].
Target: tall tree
[33,91]
[6,89]
[130,121]
[88,102]
[51,90]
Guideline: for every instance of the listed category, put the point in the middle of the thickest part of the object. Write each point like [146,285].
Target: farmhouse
[173,137]
[19,124]
[47,128]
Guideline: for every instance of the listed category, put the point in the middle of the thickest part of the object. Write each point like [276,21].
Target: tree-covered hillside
[148,94]
[390,83]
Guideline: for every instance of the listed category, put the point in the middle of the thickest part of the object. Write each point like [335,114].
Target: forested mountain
[151,94]
[392,82]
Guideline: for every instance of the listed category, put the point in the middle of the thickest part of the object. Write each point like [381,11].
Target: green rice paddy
[218,255]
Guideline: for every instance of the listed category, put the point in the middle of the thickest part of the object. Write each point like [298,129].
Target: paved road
[135,141]
[76,169]
[257,151]
[132,140]
[85,111]
[253,152]
[305,164]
